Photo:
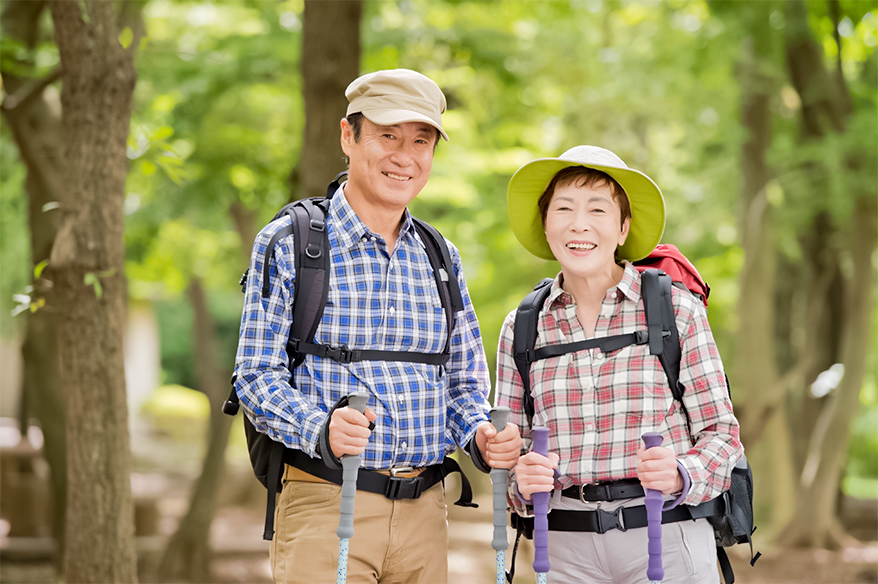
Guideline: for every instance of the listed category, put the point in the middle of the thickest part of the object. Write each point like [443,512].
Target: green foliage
[218,123]
[14,246]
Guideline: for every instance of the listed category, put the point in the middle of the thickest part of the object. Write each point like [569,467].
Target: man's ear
[347,136]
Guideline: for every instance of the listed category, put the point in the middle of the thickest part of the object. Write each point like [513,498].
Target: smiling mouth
[397,177]
[581,246]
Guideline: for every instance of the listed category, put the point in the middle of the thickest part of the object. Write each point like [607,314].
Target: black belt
[394,488]
[615,491]
[623,518]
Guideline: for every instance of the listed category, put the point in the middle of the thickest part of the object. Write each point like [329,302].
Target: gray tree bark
[87,267]
[34,119]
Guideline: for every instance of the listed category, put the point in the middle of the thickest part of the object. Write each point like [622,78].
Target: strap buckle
[607,520]
[397,470]
[403,488]
[341,354]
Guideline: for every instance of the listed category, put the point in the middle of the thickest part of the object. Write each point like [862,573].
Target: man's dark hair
[356,122]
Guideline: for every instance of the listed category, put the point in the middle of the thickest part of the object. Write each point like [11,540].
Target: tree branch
[29,91]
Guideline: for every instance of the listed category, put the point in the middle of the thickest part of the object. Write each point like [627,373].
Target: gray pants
[617,557]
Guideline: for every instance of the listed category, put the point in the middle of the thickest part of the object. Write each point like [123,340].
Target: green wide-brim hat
[528,183]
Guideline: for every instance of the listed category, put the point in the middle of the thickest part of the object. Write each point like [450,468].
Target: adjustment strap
[725,566]
[605,344]
[345,355]
[275,466]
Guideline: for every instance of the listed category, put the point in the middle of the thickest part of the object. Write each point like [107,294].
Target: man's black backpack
[733,519]
[308,227]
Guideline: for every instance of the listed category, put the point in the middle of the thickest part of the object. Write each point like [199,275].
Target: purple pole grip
[540,438]
[654,502]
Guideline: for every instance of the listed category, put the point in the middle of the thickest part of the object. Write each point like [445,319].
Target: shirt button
[613,295]
[402,398]
[589,427]
[403,446]
[599,355]
[392,310]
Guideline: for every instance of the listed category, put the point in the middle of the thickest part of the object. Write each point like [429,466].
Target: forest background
[144,144]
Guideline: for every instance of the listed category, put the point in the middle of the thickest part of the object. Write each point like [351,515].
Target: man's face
[390,164]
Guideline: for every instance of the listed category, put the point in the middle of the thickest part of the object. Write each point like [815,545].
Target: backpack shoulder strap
[312,273]
[664,339]
[435,242]
[524,336]
[443,271]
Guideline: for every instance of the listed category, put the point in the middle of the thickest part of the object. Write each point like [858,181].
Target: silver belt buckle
[401,470]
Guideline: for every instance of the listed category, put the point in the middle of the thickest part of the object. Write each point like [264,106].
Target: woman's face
[584,227]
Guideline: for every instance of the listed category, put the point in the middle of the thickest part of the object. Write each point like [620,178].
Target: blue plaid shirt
[377,300]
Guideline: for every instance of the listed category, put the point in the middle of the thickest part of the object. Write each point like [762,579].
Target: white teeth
[396,176]
[581,246]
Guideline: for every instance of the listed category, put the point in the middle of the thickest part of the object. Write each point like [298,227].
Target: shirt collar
[351,229]
[628,286]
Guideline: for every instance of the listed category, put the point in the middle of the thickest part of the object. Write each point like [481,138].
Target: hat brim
[391,116]
[528,183]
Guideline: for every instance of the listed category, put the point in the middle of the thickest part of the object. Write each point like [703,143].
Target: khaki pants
[394,541]
[617,557]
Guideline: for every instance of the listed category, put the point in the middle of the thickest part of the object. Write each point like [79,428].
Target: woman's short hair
[582,176]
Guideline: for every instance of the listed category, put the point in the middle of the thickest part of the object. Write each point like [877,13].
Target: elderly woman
[594,215]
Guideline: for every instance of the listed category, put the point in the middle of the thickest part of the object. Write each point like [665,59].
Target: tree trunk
[831,338]
[87,267]
[35,121]
[187,556]
[330,61]
[815,524]
[756,374]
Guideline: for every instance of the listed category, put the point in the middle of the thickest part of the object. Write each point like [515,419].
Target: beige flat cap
[396,96]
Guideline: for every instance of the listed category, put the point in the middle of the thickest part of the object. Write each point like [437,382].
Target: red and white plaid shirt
[597,406]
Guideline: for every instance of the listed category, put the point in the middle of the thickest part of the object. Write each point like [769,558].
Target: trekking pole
[350,464]
[540,437]
[654,571]
[498,479]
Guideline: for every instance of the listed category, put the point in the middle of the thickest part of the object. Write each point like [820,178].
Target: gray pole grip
[350,465]
[498,479]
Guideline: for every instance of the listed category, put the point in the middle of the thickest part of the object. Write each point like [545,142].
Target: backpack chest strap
[343,354]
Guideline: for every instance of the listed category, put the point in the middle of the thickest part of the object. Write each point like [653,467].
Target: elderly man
[382,296]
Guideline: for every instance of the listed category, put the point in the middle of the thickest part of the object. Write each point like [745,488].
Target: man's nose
[402,154]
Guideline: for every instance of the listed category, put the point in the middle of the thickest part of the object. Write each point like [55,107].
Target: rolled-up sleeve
[262,378]
[713,427]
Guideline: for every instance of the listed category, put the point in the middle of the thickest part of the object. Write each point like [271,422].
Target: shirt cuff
[476,455]
[686,484]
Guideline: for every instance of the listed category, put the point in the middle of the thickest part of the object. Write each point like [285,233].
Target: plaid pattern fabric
[376,301]
[597,406]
